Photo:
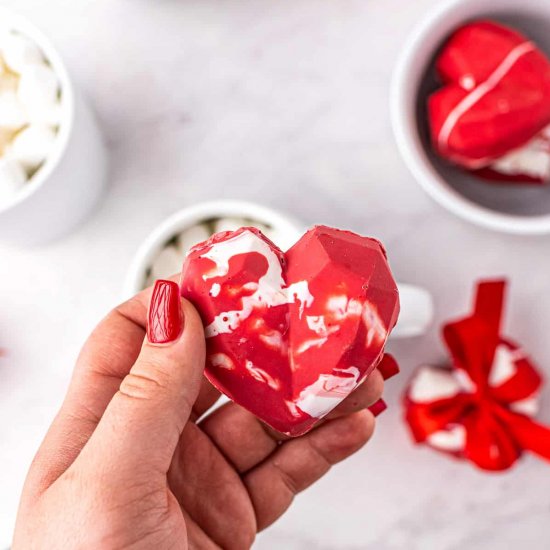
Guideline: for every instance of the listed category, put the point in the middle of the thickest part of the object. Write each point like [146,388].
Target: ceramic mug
[416,303]
[508,208]
[69,184]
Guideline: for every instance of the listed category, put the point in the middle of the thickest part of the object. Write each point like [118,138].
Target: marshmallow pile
[30,108]
[170,258]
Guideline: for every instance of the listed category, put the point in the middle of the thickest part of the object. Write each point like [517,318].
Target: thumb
[142,424]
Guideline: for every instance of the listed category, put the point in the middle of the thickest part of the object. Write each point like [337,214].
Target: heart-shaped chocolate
[289,336]
[496,95]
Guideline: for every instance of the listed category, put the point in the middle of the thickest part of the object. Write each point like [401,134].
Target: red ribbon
[496,435]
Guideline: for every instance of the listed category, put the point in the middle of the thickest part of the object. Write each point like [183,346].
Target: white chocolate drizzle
[261,376]
[221,360]
[327,392]
[269,291]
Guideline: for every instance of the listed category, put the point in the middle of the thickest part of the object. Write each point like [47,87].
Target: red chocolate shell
[495,98]
[289,336]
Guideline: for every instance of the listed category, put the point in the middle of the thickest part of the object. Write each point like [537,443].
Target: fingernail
[388,367]
[378,408]
[165,321]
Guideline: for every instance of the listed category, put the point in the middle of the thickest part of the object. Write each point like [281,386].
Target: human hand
[127,464]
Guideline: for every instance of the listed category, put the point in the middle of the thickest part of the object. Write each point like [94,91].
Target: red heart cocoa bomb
[491,113]
[290,335]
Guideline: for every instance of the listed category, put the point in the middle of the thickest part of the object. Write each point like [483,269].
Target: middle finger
[246,441]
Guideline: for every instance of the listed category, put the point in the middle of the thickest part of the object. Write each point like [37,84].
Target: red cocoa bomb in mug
[492,113]
[290,335]
[436,60]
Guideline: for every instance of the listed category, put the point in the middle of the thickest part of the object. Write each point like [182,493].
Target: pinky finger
[298,463]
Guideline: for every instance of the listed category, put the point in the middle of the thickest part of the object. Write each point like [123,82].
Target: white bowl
[416,303]
[68,185]
[513,209]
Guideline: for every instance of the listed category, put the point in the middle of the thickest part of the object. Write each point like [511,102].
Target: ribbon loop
[487,417]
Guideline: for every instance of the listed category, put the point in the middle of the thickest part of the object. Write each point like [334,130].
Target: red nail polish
[165,321]
[388,367]
[378,408]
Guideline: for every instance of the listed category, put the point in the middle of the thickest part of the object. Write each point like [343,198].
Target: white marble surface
[283,103]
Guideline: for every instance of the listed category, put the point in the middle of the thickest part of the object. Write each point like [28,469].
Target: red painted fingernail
[378,408]
[165,321]
[388,367]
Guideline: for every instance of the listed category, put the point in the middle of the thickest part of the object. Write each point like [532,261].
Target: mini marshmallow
[6,137]
[168,262]
[38,87]
[49,115]
[8,83]
[32,146]
[12,113]
[190,237]
[19,51]
[12,179]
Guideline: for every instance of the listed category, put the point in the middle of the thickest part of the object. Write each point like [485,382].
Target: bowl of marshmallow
[30,112]
[52,159]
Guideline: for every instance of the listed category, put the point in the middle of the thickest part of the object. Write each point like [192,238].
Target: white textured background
[285,103]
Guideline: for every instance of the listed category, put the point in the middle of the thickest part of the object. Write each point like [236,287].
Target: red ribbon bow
[480,404]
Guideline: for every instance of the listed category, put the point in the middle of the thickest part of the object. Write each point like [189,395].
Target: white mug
[70,182]
[512,209]
[416,303]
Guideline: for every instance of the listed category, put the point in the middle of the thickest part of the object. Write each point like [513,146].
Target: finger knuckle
[356,431]
[144,385]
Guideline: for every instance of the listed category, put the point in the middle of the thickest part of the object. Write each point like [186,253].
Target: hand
[125,463]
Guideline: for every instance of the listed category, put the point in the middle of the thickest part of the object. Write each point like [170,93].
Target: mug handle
[416,311]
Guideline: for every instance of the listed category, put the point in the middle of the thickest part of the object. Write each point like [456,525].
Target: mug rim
[403,118]
[21,24]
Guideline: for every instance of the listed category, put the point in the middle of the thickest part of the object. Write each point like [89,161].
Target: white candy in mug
[6,137]
[190,237]
[18,51]
[32,146]
[38,87]
[8,81]
[168,262]
[12,113]
[12,179]
[30,111]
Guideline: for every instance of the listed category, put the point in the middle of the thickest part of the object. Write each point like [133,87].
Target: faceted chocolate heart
[289,336]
